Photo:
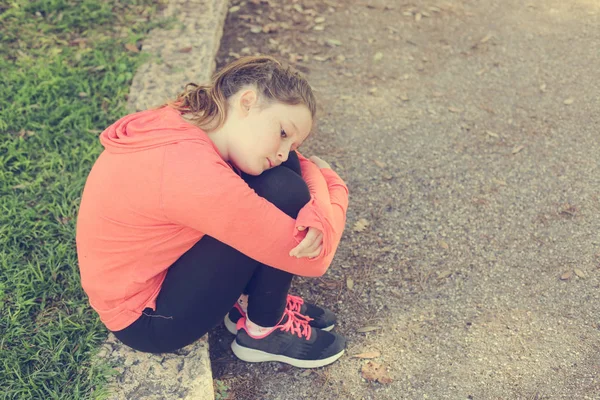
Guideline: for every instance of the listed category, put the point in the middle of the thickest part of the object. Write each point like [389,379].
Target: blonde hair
[206,105]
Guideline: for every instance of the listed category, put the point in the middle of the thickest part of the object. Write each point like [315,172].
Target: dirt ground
[468,134]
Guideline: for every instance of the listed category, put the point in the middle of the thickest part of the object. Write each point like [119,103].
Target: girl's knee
[282,187]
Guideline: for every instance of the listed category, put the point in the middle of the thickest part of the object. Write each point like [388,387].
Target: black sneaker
[293,341]
[321,318]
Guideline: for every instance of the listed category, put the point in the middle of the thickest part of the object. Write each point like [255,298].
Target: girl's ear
[248,99]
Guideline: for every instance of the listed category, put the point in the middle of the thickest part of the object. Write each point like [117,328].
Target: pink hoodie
[158,187]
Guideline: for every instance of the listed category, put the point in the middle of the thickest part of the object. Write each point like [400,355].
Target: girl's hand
[310,246]
[319,162]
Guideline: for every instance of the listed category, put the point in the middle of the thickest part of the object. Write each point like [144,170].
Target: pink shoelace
[294,303]
[296,324]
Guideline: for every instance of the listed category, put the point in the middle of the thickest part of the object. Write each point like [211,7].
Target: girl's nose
[283,156]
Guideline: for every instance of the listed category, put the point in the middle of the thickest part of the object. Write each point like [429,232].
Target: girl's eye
[283,134]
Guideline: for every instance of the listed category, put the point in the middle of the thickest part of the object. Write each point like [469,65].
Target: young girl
[202,210]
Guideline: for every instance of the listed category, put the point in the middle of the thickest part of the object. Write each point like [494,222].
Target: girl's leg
[203,284]
[267,301]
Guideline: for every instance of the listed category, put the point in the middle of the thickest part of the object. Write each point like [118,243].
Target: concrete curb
[185,53]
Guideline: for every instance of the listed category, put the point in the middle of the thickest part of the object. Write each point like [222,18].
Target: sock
[243,302]
[256,330]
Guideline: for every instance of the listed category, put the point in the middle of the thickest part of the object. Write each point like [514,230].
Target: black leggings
[206,281]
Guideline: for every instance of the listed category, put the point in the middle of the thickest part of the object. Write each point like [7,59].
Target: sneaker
[293,341]
[321,318]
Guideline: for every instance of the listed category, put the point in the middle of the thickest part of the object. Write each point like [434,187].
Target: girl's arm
[200,190]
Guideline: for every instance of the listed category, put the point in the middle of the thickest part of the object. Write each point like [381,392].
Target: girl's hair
[206,105]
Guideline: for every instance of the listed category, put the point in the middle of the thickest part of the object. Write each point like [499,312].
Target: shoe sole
[232,326]
[252,355]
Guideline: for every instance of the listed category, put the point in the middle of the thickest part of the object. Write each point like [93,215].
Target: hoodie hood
[149,129]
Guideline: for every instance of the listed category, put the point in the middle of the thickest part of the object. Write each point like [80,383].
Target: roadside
[467,133]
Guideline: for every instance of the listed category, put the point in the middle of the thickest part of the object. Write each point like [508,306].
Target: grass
[65,74]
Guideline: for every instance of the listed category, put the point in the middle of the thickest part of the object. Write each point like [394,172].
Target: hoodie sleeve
[201,191]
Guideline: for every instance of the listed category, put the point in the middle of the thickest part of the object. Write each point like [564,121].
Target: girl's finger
[309,250]
[306,243]
[316,252]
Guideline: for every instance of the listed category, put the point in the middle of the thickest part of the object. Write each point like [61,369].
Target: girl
[202,209]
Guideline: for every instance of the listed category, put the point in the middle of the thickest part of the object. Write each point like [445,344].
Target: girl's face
[263,135]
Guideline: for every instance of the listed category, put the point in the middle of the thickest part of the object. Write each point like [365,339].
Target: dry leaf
[185,50]
[444,274]
[569,101]
[379,163]
[375,372]
[378,56]
[306,373]
[566,275]
[455,110]
[333,43]
[83,94]
[132,47]
[444,245]
[368,354]
[350,283]
[319,20]
[373,90]
[579,273]
[486,38]
[543,87]
[499,182]
[517,149]
[361,225]
[418,17]
[321,58]
[492,134]
[404,97]
[234,9]
[319,28]
[368,329]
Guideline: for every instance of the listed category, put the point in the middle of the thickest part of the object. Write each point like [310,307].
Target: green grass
[64,77]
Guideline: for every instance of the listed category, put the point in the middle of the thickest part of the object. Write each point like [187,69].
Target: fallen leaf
[486,38]
[319,20]
[132,47]
[368,354]
[319,28]
[455,110]
[373,90]
[569,101]
[388,177]
[321,58]
[444,274]
[444,245]
[378,56]
[517,149]
[543,87]
[404,97]
[361,225]
[368,329]
[350,283]
[492,134]
[83,94]
[185,49]
[499,182]
[333,42]
[306,373]
[256,29]
[379,163]
[298,8]
[375,372]
[234,9]
[566,275]
[418,17]
[579,273]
